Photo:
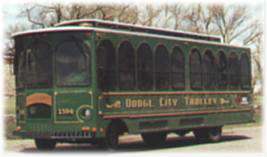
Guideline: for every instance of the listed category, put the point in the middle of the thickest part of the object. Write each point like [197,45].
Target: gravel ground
[246,139]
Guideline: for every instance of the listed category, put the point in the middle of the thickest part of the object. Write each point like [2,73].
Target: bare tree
[149,14]
[231,21]
[199,19]
[178,12]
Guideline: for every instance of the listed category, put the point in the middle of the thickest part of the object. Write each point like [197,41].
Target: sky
[10,11]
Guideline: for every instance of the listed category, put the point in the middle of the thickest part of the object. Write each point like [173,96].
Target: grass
[10,106]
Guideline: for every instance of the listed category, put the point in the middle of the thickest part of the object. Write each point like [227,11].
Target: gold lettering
[161,102]
[214,101]
[186,100]
[191,101]
[174,102]
[201,101]
[138,103]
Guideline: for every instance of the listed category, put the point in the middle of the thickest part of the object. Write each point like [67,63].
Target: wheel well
[120,125]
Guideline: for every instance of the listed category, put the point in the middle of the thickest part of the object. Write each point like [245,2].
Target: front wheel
[112,137]
[154,139]
[45,144]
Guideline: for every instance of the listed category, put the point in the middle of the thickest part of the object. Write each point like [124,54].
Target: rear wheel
[154,139]
[201,135]
[213,134]
[45,144]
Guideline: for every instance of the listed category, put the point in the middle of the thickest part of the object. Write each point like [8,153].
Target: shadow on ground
[172,142]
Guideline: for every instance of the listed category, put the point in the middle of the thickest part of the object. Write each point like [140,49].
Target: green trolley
[92,81]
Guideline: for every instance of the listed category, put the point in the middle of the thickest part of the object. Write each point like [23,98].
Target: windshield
[72,59]
[34,65]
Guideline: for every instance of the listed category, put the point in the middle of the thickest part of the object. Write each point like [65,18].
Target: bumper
[55,135]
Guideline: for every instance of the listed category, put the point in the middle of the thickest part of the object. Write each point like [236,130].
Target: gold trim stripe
[175,113]
[39,98]
[171,93]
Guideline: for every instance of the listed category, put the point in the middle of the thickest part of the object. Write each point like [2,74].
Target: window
[144,67]
[72,67]
[195,70]
[106,72]
[233,71]
[162,68]
[245,71]
[38,64]
[222,71]
[177,69]
[20,62]
[126,66]
[209,70]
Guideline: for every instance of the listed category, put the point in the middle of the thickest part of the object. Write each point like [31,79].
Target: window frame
[179,53]
[197,51]
[242,85]
[209,71]
[233,75]
[120,86]
[115,76]
[147,53]
[161,74]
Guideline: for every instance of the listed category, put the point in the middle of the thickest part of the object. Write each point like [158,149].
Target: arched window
[233,71]
[195,70]
[106,72]
[222,71]
[209,70]
[162,68]
[177,69]
[145,67]
[126,66]
[72,63]
[245,71]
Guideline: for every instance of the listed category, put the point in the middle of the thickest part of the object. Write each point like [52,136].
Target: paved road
[246,139]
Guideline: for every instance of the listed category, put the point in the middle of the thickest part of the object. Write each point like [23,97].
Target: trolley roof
[141,34]
[139,28]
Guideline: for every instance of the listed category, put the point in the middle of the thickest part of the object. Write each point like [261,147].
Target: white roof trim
[54,29]
[136,25]
[141,34]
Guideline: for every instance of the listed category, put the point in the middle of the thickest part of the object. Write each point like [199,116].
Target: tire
[215,134]
[154,139]
[201,135]
[112,137]
[45,144]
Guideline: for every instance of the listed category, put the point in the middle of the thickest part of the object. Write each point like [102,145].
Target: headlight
[244,101]
[84,113]
[87,113]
